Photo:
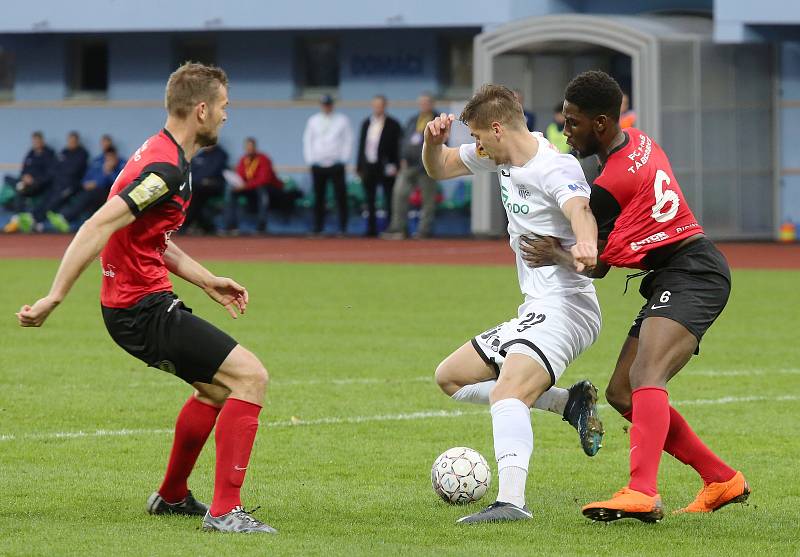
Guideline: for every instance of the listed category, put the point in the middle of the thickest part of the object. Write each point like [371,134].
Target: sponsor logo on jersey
[685,228]
[579,187]
[523,191]
[655,238]
[149,190]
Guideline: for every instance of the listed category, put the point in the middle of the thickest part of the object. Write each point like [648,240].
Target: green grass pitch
[354,421]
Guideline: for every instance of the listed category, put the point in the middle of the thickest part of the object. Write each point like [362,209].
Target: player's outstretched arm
[441,162]
[580,216]
[84,248]
[227,292]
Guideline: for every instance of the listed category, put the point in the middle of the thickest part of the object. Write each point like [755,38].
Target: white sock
[477,393]
[553,400]
[513,446]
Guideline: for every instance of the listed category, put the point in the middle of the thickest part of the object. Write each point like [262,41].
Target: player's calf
[618,399]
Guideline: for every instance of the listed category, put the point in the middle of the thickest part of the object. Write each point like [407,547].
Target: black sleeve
[157,183]
[605,209]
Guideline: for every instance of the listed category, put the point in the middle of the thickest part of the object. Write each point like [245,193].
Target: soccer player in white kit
[515,365]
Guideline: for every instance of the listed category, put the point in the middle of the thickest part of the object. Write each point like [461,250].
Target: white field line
[334,420]
[280,383]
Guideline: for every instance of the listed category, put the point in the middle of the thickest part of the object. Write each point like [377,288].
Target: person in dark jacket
[378,158]
[411,174]
[70,168]
[207,182]
[38,171]
[93,191]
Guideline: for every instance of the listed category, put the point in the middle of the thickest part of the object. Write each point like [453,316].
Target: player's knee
[445,379]
[251,375]
[618,399]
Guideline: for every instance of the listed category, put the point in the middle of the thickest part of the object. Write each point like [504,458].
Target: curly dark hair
[595,92]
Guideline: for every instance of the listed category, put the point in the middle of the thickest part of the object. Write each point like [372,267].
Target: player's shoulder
[158,148]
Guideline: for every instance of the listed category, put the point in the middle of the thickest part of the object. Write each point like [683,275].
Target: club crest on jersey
[151,189]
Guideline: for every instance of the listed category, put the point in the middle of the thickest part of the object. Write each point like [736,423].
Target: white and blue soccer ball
[460,475]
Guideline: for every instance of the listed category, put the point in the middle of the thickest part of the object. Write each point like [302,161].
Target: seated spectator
[70,169]
[258,184]
[207,182]
[36,178]
[93,193]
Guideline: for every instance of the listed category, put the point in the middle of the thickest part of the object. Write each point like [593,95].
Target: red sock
[195,422]
[649,431]
[236,432]
[684,444]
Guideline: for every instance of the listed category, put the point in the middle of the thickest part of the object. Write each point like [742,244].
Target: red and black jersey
[157,187]
[649,210]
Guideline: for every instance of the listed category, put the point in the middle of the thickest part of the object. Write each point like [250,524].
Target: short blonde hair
[191,84]
[493,103]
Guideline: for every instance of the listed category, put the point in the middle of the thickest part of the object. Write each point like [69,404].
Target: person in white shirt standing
[515,365]
[327,147]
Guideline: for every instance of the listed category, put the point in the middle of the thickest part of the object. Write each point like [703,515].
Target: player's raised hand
[585,255]
[229,294]
[437,131]
[35,315]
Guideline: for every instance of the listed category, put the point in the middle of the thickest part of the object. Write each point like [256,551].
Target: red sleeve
[617,181]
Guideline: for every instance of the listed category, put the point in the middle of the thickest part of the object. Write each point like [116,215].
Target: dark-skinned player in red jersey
[146,205]
[645,223]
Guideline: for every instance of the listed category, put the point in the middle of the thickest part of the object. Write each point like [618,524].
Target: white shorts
[552,331]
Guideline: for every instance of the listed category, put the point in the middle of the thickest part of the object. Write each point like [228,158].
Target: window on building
[317,66]
[201,49]
[88,76]
[6,75]
[455,54]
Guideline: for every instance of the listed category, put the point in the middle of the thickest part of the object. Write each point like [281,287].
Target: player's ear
[202,111]
[601,123]
[497,127]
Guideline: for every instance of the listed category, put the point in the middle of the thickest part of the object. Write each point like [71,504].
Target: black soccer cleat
[581,412]
[189,506]
[498,512]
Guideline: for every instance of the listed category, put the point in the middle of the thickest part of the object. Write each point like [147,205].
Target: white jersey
[533,195]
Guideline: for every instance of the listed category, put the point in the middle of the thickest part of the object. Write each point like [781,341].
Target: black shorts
[690,286]
[162,332]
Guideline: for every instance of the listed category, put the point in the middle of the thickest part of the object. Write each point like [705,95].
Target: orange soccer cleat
[716,495]
[626,503]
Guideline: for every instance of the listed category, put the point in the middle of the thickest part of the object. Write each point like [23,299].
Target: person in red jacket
[258,183]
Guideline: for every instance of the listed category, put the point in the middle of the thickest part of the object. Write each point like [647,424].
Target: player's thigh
[523,378]
[664,347]
[618,391]
[465,366]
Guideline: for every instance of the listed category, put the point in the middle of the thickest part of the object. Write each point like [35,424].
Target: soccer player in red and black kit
[146,205]
[645,223]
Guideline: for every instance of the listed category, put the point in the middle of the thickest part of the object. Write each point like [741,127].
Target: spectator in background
[38,170]
[378,158]
[327,146]
[412,173]
[257,183]
[555,130]
[627,117]
[106,143]
[93,192]
[207,182]
[70,168]
[530,117]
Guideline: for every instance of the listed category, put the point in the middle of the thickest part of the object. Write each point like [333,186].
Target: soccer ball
[460,475]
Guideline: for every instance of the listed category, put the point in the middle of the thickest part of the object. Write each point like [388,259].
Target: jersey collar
[181,154]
